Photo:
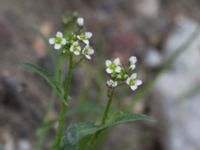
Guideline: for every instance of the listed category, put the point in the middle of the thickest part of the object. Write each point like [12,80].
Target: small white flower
[132,61]
[114,66]
[75,48]
[58,41]
[85,37]
[80,21]
[132,82]
[112,83]
[88,51]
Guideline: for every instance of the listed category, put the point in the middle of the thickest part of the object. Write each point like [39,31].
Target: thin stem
[63,112]
[69,76]
[104,118]
[106,111]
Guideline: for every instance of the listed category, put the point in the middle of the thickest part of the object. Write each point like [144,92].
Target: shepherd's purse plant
[73,48]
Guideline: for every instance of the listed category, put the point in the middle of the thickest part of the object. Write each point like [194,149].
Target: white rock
[152,58]
[182,116]
[24,145]
[148,8]
[9,142]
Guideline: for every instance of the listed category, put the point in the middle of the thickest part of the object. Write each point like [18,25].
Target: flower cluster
[78,44]
[120,74]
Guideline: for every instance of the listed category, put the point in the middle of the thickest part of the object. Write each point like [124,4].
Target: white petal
[88,35]
[71,49]
[64,41]
[132,67]
[57,46]
[88,56]
[108,62]
[128,81]
[133,76]
[79,37]
[91,51]
[108,70]
[52,41]
[118,69]
[109,82]
[138,82]
[114,84]
[134,87]
[76,52]
[59,34]
[133,59]
[117,61]
[86,42]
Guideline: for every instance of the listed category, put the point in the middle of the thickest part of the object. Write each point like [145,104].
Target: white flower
[75,48]
[85,37]
[88,51]
[114,66]
[132,82]
[132,61]
[112,83]
[80,21]
[58,41]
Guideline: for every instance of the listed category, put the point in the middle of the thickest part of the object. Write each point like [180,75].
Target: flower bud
[112,83]
[80,22]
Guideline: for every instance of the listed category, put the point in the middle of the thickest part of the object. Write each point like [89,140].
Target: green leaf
[124,118]
[75,133]
[45,74]
[78,132]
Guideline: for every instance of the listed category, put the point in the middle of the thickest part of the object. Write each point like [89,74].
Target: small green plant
[74,47]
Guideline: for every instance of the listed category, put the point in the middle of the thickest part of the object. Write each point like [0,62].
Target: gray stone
[181,115]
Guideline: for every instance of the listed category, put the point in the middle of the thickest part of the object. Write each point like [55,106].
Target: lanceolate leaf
[124,118]
[77,132]
[45,74]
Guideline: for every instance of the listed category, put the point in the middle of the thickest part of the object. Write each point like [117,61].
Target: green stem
[106,111]
[104,118]
[63,112]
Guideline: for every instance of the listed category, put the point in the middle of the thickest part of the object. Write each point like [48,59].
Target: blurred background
[163,34]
